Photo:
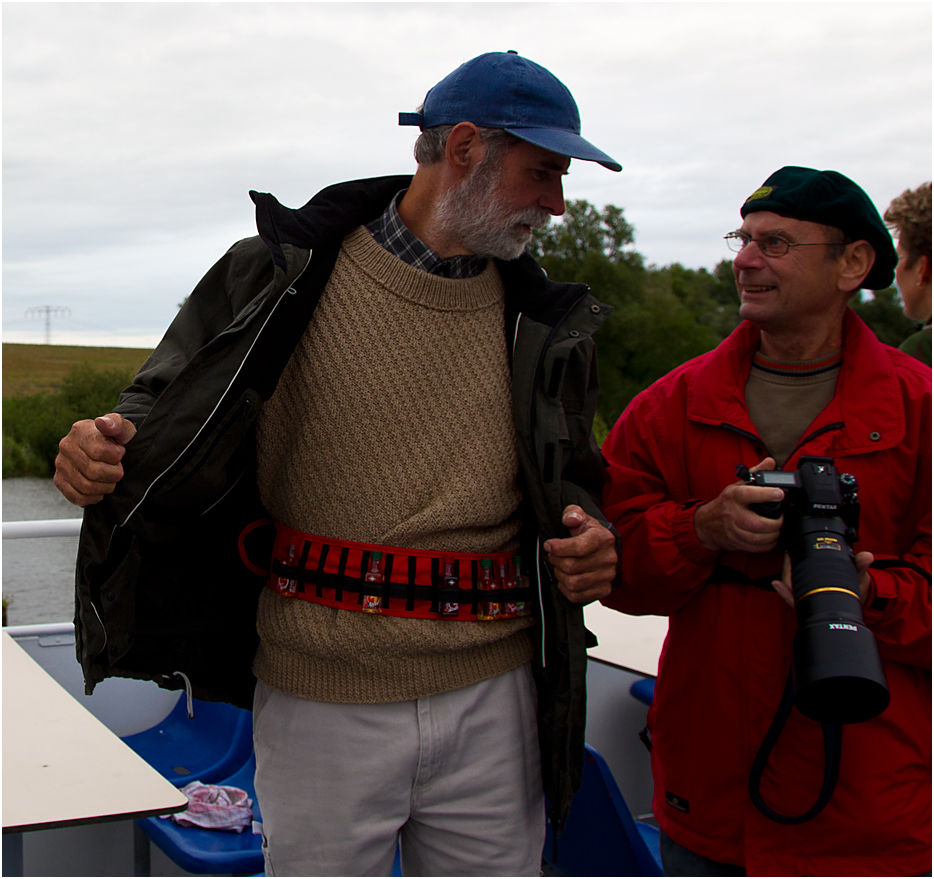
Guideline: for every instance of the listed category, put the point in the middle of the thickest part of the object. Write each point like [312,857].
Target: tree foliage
[882,310]
[584,230]
[33,424]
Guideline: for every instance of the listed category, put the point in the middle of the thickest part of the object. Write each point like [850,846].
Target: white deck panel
[632,643]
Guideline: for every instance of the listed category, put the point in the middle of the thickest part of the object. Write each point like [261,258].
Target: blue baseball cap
[504,90]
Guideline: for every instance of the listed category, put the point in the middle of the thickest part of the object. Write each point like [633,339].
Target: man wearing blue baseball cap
[387,379]
[527,120]
[758,770]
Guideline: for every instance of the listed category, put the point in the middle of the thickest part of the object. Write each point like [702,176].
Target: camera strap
[833,741]
[883,564]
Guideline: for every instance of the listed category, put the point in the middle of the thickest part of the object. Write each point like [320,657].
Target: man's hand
[726,524]
[585,562]
[88,463]
[784,588]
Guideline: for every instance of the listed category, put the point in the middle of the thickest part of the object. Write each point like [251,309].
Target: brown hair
[910,216]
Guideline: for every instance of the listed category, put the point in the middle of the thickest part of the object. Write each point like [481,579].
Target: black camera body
[837,670]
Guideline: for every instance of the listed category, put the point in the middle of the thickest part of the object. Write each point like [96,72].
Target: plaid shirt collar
[390,232]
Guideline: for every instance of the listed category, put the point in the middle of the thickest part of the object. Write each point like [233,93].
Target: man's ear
[464,148]
[923,267]
[856,263]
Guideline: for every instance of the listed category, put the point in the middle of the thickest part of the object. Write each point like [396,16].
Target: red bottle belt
[395,581]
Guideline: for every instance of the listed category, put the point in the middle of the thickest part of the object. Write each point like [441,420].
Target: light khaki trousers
[455,777]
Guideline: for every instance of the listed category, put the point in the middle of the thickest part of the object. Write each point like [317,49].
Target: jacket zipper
[289,291]
[746,433]
[825,429]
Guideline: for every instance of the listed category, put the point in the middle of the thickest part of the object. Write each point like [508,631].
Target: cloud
[132,132]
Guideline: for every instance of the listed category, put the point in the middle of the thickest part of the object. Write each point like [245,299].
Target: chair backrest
[643,690]
[601,838]
[214,743]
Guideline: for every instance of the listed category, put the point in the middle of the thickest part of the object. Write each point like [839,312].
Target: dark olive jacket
[161,592]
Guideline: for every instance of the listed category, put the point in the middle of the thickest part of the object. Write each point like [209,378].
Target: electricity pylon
[49,311]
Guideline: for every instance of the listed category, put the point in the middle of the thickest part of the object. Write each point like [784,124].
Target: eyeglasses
[770,245]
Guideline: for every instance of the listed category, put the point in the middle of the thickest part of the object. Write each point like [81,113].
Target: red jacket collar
[868,402]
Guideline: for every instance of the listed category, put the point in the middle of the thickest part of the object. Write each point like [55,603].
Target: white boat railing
[42,528]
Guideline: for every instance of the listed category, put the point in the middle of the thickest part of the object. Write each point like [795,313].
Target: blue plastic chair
[601,838]
[210,746]
[212,851]
[643,690]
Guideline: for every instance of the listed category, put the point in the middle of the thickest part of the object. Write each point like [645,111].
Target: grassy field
[29,369]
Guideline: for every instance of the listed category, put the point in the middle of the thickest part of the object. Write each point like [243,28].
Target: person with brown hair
[909,216]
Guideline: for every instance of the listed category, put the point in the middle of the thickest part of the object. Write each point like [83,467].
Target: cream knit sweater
[392,424]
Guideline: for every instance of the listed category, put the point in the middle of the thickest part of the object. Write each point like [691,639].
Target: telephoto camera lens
[838,673]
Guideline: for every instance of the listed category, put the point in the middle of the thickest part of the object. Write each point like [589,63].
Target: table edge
[93,819]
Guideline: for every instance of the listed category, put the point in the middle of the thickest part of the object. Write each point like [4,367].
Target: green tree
[33,424]
[584,230]
[646,338]
[89,392]
[882,311]
[710,297]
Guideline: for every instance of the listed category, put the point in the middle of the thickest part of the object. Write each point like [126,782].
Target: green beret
[829,198]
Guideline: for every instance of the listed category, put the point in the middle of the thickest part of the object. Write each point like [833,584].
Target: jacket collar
[531,292]
[327,218]
[867,404]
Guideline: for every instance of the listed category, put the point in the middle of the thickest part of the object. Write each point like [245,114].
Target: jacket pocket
[208,465]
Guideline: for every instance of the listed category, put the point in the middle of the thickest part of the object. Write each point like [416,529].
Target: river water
[38,573]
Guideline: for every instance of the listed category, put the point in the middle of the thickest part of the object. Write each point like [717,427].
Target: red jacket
[728,651]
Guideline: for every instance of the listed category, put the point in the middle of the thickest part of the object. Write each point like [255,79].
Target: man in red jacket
[801,376]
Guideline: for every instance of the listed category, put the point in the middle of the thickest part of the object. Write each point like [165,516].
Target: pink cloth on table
[215,807]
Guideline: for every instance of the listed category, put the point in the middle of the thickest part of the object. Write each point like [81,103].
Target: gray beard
[473,215]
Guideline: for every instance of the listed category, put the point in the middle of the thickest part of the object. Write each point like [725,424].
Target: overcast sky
[133,132]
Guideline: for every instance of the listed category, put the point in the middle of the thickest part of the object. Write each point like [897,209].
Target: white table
[61,766]
[633,643]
